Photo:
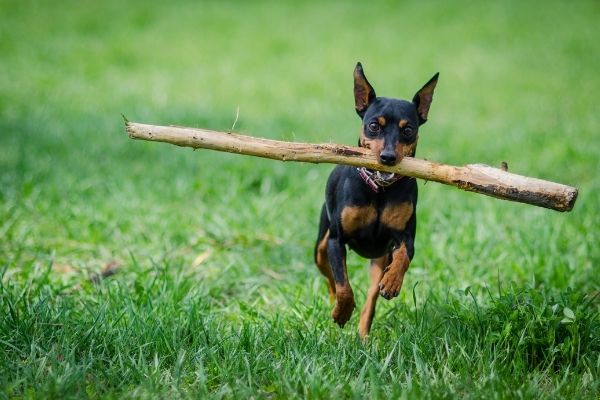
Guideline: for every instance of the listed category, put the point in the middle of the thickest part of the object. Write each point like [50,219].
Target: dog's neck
[377,179]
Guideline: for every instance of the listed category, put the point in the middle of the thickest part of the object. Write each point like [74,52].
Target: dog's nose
[388,157]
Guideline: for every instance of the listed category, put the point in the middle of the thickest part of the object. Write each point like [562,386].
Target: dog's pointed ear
[422,99]
[364,94]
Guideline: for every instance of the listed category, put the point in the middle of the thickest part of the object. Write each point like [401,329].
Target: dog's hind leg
[321,258]
[368,312]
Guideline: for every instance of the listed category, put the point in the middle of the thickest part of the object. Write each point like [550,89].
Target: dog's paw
[391,283]
[343,311]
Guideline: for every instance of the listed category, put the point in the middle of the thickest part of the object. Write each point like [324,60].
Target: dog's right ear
[364,94]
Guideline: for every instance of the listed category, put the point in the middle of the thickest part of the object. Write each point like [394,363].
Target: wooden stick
[477,178]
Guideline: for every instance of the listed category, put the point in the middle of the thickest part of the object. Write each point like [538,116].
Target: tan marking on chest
[356,217]
[397,215]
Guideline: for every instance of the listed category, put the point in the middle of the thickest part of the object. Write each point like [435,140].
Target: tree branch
[477,178]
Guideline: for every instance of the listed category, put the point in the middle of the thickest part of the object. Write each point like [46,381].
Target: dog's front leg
[393,275]
[344,304]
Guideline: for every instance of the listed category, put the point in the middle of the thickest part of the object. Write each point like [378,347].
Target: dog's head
[390,127]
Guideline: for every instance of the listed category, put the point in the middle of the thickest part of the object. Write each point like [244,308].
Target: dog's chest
[371,220]
[369,230]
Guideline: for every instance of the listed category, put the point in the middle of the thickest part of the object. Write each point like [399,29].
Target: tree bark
[477,178]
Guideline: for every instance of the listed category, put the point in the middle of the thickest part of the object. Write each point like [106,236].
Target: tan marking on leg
[393,275]
[322,261]
[402,123]
[344,305]
[381,120]
[396,216]
[355,217]
[368,312]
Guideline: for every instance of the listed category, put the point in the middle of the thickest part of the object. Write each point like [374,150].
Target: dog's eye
[374,127]
[408,131]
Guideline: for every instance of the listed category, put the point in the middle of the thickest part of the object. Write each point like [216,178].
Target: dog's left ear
[422,99]
[364,94]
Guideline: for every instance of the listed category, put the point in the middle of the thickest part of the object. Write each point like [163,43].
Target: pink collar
[378,179]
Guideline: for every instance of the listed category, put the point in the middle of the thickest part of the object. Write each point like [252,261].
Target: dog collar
[377,179]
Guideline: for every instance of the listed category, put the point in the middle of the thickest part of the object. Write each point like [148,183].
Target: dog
[373,213]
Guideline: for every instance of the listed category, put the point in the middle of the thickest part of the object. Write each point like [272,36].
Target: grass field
[216,294]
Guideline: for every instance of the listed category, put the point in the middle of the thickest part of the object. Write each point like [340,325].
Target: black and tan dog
[372,212]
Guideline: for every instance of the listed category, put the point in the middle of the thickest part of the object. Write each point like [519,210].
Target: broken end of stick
[129,128]
[571,198]
[129,131]
[497,183]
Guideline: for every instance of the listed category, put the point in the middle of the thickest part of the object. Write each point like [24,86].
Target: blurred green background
[518,83]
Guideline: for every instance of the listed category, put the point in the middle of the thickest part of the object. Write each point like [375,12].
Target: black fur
[373,234]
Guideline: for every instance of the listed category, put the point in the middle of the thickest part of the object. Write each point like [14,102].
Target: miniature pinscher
[373,212]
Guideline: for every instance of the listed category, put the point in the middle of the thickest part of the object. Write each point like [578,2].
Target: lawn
[216,294]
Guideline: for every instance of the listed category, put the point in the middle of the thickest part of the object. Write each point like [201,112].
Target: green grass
[217,295]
